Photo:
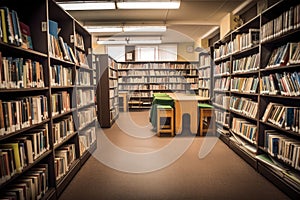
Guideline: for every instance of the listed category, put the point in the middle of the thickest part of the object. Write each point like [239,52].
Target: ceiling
[187,24]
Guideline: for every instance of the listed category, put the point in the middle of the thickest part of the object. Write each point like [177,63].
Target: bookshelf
[41,100]
[142,79]
[107,90]
[204,71]
[258,114]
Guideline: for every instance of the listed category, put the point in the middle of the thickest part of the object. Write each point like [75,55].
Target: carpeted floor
[132,163]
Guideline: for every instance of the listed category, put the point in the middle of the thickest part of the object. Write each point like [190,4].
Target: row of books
[113,92]
[21,113]
[188,80]
[246,64]
[64,157]
[244,129]
[85,97]
[223,50]
[157,73]
[79,41]
[282,147]
[168,87]
[86,139]
[62,129]
[222,117]
[113,102]
[246,40]
[134,80]
[245,106]
[286,117]
[141,94]
[286,83]
[222,84]
[222,100]
[86,116]
[204,83]
[20,73]
[134,87]
[287,54]
[83,78]
[21,151]
[153,86]
[204,60]
[286,21]
[112,63]
[204,73]
[115,111]
[61,76]
[241,42]
[58,47]
[10,30]
[113,83]
[82,59]
[223,68]
[112,73]
[33,184]
[203,92]
[60,103]
[279,56]
[164,65]
[244,84]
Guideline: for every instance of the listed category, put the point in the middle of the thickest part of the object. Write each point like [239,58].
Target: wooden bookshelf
[204,70]
[107,90]
[50,88]
[229,59]
[142,79]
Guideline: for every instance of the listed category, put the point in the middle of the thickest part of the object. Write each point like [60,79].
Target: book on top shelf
[26,36]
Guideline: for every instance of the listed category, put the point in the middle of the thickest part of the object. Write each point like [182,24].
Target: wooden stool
[165,111]
[206,118]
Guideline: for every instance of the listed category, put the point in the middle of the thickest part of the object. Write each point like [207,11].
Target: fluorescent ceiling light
[119,29]
[111,42]
[130,40]
[104,29]
[145,28]
[87,5]
[149,5]
[144,42]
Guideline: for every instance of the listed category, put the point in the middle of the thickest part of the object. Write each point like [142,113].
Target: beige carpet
[221,174]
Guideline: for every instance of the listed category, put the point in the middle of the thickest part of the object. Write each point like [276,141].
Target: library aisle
[222,174]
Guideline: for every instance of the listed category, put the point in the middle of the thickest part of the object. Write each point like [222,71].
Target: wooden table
[186,104]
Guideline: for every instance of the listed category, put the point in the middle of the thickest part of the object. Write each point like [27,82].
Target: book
[26,36]
[64,47]
[3,26]
[53,28]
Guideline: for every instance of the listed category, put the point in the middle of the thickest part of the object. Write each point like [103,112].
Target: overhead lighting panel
[87,5]
[104,29]
[130,29]
[130,40]
[144,28]
[148,4]
[144,42]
